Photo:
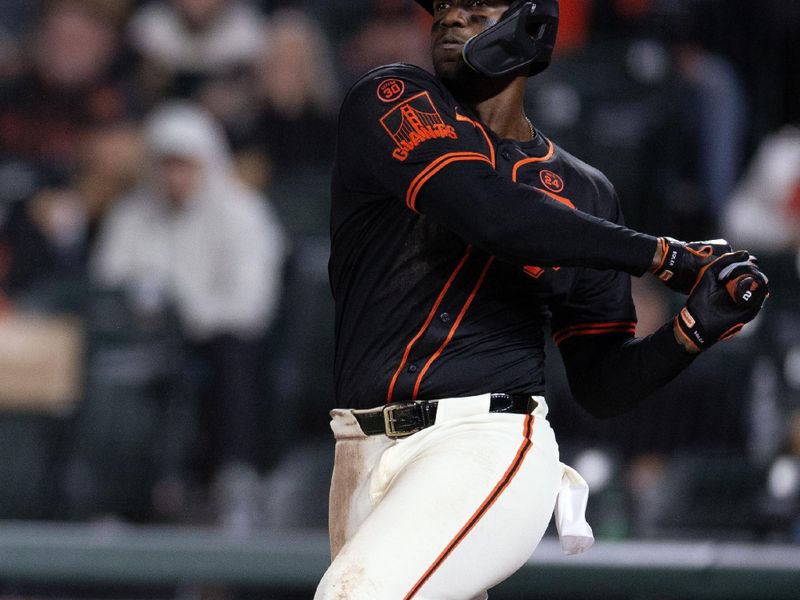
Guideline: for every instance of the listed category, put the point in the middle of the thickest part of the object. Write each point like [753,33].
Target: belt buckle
[389,421]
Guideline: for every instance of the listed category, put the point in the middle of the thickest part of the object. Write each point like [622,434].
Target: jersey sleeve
[600,301]
[397,130]
[400,134]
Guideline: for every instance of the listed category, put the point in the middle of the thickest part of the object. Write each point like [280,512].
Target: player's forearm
[629,370]
[522,225]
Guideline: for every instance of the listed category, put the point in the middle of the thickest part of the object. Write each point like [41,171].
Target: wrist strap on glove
[695,336]
[681,262]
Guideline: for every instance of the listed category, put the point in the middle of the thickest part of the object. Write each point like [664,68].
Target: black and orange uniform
[452,250]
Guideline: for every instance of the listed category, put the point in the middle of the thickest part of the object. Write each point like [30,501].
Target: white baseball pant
[449,512]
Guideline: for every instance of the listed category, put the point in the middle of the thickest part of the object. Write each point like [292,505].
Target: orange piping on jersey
[557,198]
[596,326]
[427,322]
[455,326]
[593,326]
[535,159]
[594,329]
[433,168]
[562,339]
[498,489]
[483,131]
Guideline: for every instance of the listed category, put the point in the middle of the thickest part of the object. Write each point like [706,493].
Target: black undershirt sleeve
[520,224]
[610,374]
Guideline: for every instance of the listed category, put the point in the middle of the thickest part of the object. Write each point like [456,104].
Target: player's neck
[504,111]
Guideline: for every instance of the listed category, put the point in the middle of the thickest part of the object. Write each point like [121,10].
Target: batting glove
[716,310]
[682,262]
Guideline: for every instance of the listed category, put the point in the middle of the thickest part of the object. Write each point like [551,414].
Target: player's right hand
[711,313]
[681,263]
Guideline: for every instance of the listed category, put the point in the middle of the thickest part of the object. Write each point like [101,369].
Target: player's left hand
[681,262]
[712,313]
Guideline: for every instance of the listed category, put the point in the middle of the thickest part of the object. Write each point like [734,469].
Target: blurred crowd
[163,181]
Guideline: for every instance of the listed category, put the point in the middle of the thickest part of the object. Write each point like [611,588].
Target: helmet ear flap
[503,47]
[524,37]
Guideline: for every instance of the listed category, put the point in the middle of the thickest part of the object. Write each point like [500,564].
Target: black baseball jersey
[452,248]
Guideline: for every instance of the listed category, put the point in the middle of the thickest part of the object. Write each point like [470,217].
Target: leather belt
[401,419]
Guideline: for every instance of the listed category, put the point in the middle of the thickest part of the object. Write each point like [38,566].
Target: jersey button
[412,368]
[506,155]
[444,317]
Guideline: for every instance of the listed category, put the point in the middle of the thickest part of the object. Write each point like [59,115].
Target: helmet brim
[426,4]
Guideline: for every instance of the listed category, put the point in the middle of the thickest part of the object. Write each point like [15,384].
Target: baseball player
[459,232]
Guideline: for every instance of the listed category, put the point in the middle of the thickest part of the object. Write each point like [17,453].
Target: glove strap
[659,270]
[689,331]
[676,257]
[694,335]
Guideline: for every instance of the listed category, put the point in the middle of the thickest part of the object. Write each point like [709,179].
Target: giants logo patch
[414,122]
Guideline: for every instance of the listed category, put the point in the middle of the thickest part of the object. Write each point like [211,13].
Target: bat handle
[746,289]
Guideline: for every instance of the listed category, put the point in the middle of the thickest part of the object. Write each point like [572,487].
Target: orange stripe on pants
[498,489]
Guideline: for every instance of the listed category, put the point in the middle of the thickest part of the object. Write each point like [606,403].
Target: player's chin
[449,68]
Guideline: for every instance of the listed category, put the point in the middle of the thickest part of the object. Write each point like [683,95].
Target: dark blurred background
[165,318]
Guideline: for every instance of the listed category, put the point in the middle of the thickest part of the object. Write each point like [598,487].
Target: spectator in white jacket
[764,212]
[194,237]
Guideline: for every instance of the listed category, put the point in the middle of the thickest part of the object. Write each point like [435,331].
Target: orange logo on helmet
[551,181]
[390,90]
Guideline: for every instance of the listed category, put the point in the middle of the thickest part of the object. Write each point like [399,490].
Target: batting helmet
[523,37]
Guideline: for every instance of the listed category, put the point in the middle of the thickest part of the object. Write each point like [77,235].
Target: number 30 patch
[390,90]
